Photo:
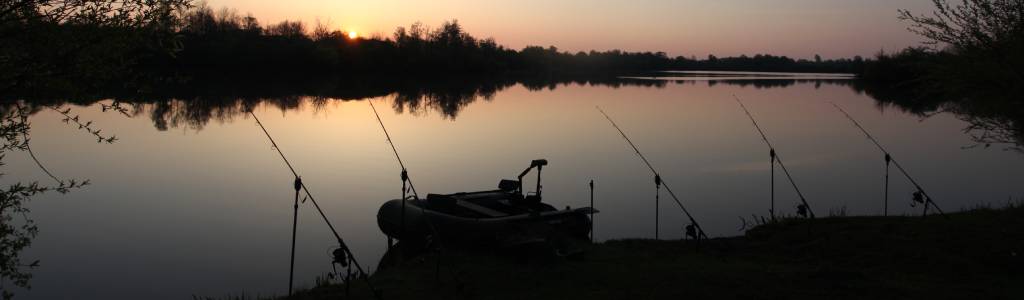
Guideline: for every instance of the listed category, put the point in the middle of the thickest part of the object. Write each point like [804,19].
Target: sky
[795,28]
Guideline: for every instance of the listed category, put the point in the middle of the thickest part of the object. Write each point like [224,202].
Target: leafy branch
[87,126]
[115,106]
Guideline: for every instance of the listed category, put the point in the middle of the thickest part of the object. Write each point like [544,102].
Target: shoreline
[978,253]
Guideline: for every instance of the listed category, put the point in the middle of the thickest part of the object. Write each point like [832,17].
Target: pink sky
[796,28]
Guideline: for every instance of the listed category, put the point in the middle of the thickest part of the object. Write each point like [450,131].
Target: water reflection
[175,212]
[193,106]
[992,120]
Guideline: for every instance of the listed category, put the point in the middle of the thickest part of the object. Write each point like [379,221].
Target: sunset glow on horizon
[796,28]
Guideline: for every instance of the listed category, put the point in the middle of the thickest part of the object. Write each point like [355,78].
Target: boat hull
[421,223]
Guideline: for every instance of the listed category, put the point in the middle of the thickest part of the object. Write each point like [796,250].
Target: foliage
[906,68]
[980,43]
[16,227]
[974,25]
[69,46]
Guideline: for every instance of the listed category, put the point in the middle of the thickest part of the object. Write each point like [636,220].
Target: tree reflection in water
[991,121]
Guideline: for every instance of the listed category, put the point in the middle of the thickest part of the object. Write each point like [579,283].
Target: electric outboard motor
[536,163]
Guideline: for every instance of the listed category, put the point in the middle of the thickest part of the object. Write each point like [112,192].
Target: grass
[973,254]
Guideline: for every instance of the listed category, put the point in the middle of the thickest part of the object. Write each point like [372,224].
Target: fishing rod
[926,199]
[592,211]
[700,231]
[300,184]
[405,174]
[776,157]
[426,218]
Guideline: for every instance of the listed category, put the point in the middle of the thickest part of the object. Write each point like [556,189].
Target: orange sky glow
[796,28]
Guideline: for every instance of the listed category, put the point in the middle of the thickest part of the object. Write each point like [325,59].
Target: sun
[353,34]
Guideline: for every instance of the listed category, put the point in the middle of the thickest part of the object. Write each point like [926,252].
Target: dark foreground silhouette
[975,254]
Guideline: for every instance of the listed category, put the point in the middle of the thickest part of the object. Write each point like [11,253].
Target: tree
[974,24]
[989,33]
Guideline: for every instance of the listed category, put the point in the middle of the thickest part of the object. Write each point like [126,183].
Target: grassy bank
[977,254]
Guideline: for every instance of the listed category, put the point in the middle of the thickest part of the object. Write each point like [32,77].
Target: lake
[193,200]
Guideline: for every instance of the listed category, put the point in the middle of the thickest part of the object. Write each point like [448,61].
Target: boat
[505,216]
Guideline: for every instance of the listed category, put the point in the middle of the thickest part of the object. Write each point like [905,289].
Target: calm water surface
[205,208]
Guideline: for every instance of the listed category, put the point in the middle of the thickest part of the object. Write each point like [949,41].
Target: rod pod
[657,211]
[341,242]
[592,211]
[295,224]
[693,222]
[771,208]
[919,193]
[803,209]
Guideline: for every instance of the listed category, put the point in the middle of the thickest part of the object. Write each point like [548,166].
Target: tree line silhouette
[224,41]
[175,41]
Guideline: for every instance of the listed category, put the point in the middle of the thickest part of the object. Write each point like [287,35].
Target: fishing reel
[691,231]
[339,257]
[917,198]
[802,210]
